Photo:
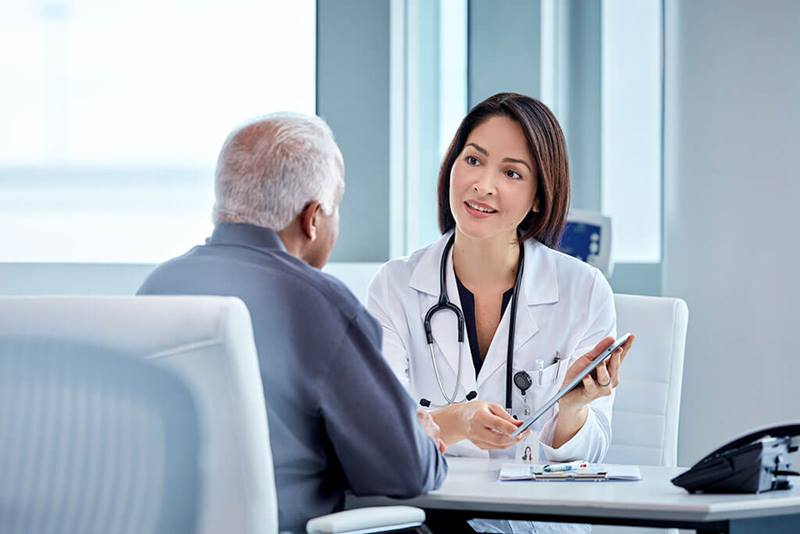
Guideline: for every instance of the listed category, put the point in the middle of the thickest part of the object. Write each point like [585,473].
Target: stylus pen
[569,466]
[557,468]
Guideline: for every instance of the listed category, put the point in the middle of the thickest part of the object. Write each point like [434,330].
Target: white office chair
[647,404]
[139,414]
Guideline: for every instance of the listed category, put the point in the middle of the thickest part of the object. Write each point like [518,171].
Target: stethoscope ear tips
[425,403]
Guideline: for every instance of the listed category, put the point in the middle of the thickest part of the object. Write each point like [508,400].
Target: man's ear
[309,219]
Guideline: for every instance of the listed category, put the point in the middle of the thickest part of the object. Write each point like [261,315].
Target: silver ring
[604,385]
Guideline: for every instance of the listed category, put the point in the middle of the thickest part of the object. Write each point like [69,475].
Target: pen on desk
[569,466]
[558,468]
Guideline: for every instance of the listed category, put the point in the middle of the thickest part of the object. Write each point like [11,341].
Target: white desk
[472,490]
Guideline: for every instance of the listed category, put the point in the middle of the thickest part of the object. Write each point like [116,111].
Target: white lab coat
[565,307]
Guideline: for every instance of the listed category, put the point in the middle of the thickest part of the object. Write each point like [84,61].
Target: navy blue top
[338,418]
[468,309]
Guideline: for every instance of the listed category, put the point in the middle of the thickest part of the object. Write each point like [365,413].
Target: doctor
[503,193]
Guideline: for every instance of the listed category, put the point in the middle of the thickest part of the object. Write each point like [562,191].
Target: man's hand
[431,428]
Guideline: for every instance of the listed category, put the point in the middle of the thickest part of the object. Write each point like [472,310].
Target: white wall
[731,193]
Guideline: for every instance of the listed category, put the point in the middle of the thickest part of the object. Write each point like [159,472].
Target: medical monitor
[587,236]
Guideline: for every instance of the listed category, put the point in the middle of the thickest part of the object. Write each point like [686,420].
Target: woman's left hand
[605,379]
[572,409]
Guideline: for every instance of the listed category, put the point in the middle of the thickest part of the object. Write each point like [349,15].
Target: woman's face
[492,182]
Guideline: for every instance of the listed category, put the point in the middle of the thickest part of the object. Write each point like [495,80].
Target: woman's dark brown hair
[547,149]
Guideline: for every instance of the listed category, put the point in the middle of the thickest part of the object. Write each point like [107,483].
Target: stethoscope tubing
[445,304]
[512,327]
[451,399]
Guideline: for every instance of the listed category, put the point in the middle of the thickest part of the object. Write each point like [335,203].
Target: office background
[681,117]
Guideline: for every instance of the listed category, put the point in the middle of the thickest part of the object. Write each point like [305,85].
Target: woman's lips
[478,209]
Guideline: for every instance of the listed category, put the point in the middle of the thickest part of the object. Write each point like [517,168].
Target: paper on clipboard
[594,472]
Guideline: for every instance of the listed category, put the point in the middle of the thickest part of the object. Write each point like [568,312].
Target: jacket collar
[539,275]
[247,235]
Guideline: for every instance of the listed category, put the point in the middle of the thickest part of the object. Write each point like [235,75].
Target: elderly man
[338,418]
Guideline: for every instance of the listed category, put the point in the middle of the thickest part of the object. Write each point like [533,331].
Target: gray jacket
[338,418]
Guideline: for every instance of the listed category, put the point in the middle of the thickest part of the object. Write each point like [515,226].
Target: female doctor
[503,193]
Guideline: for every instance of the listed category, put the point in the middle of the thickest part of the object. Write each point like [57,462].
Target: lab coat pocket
[545,383]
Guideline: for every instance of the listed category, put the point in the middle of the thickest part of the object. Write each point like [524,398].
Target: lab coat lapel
[444,324]
[539,285]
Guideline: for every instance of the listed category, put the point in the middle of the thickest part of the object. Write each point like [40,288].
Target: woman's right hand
[488,425]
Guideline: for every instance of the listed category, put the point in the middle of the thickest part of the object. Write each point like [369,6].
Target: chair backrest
[132,414]
[647,405]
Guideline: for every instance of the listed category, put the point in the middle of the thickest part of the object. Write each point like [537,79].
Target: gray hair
[270,168]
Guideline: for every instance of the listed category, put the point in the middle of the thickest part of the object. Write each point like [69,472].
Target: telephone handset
[753,463]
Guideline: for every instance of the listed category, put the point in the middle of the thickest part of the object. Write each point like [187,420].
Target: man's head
[283,171]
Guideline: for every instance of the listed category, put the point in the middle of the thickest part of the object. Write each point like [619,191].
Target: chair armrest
[374,519]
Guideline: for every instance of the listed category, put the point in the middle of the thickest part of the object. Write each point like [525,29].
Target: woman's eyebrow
[479,149]
[512,160]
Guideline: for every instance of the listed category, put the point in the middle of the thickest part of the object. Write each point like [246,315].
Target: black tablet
[569,387]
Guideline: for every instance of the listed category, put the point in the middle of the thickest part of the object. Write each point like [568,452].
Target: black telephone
[753,463]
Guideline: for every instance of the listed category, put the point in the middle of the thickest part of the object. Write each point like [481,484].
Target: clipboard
[592,473]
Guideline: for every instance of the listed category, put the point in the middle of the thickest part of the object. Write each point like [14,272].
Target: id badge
[528,450]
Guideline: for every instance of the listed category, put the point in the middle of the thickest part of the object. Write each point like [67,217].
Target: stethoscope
[522,379]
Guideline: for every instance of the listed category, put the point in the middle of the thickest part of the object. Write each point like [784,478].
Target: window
[435,103]
[113,114]
[632,127]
